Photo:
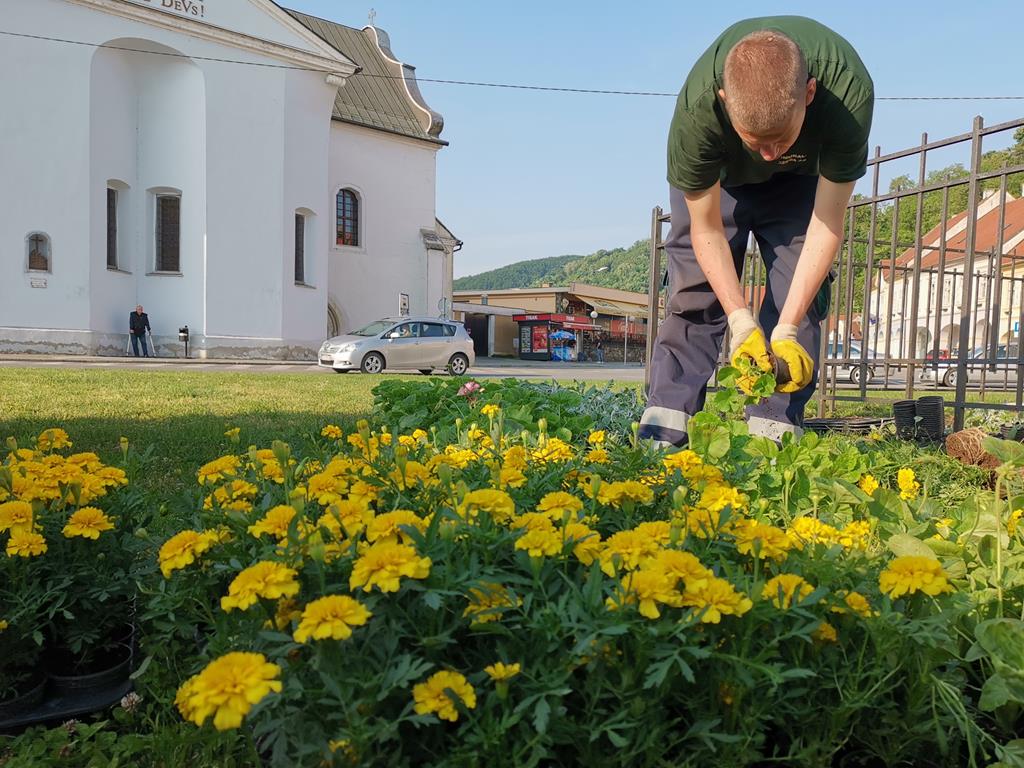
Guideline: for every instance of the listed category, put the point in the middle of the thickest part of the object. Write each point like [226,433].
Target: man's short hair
[764,78]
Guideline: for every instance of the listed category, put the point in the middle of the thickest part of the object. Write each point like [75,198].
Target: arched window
[38,246]
[348,218]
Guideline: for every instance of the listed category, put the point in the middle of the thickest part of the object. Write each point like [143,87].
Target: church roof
[384,94]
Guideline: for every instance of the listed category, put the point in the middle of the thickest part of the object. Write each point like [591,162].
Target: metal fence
[928,286]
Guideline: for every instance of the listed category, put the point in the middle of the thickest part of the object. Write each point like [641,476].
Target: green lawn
[182,415]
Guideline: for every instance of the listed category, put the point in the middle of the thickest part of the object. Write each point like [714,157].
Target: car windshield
[375,328]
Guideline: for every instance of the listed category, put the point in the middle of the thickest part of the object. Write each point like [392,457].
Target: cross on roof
[372,16]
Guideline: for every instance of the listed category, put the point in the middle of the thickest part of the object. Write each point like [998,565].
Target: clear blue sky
[533,174]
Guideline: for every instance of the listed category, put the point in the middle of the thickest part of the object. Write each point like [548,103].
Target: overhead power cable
[440,81]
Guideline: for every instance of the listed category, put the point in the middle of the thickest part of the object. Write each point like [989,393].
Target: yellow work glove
[794,367]
[747,344]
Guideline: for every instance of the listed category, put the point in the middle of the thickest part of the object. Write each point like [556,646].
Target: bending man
[769,134]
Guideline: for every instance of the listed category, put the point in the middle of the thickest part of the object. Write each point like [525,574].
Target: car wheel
[949,378]
[372,363]
[426,371]
[855,375]
[458,365]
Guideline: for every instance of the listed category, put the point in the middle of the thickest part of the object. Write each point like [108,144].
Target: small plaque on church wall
[38,282]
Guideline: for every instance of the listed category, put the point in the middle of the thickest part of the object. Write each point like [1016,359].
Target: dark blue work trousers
[777,213]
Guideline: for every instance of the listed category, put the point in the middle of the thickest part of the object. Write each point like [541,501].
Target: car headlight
[346,348]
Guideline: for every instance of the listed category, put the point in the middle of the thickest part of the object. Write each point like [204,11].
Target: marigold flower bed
[384,598]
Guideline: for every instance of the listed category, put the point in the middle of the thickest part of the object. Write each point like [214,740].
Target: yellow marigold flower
[627,551]
[761,540]
[232,434]
[617,493]
[531,521]
[332,431]
[596,437]
[868,484]
[510,477]
[499,671]
[275,522]
[908,484]
[911,573]
[326,488]
[679,565]
[216,470]
[411,475]
[1013,521]
[88,460]
[265,579]
[408,441]
[87,522]
[16,517]
[598,456]
[384,564]
[331,617]
[855,535]
[553,450]
[227,689]
[388,527]
[235,494]
[498,504]
[703,523]
[25,544]
[855,602]
[488,602]
[825,633]
[586,543]
[683,461]
[182,549]
[3,625]
[717,497]
[419,435]
[540,542]
[786,589]
[717,598]
[346,518]
[646,588]
[490,410]
[558,504]
[516,457]
[53,439]
[810,530]
[433,695]
[112,476]
[659,530]
[287,610]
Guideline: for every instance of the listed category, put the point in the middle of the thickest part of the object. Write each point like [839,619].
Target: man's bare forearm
[711,248]
[824,234]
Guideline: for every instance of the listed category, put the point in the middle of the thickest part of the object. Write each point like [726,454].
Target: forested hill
[624,268]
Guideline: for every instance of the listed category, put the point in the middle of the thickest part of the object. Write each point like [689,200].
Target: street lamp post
[593,321]
[625,342]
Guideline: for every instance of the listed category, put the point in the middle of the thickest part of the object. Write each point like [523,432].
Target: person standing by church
[138,325]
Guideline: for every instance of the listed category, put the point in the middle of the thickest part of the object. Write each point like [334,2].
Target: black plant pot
[30,695]
[111,667]
[905,417]
[931,413]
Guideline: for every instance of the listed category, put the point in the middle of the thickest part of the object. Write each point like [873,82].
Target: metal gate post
[966,305]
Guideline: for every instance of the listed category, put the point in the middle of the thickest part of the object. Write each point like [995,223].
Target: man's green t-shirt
[704,148]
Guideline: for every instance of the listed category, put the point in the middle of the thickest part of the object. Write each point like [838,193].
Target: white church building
[265,177]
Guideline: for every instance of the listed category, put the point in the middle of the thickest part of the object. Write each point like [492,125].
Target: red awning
[582,327]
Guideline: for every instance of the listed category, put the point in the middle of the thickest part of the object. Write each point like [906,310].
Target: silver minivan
[416,343]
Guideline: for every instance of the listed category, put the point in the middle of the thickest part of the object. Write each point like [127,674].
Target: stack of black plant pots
[922,419]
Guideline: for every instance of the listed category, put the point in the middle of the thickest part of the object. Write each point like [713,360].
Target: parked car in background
[1003,367]
[846,361]
[416,343]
